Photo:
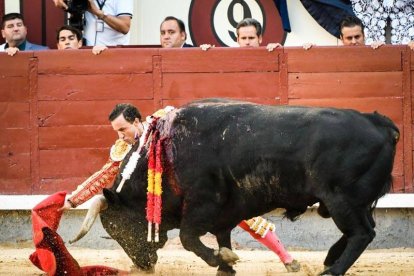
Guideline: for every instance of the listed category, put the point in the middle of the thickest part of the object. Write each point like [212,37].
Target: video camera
[77,9]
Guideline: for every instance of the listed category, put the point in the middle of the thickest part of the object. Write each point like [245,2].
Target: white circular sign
[226,15]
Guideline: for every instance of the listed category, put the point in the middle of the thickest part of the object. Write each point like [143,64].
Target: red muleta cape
[51,255]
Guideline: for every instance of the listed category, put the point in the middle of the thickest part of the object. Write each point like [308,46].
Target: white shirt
[109,36]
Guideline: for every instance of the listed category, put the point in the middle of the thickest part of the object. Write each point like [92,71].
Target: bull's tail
[385,189]
[393,134]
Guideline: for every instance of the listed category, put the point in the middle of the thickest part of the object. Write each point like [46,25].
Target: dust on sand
[174,260]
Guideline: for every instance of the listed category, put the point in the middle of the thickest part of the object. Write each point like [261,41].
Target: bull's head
[123,216]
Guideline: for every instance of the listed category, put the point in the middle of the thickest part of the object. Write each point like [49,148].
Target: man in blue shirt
[14,32]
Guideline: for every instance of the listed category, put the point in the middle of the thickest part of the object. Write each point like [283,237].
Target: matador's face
[127,131]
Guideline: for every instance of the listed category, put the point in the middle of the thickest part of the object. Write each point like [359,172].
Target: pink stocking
[271,241]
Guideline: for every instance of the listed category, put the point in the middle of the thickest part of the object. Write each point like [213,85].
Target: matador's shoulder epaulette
[159,113]
[119,150]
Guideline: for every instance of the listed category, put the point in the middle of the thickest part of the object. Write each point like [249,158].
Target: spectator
[249,34]
[107,22]
[173,34]
[70,38]
[14,32]
[352,33]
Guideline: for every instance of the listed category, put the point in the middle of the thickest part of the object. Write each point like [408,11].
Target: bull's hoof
[137,270]
[225,273]
[294,266]
[228,256]
[328,272]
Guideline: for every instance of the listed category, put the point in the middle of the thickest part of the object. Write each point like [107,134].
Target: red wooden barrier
[54,105]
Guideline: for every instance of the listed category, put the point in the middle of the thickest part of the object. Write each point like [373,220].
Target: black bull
[227,161]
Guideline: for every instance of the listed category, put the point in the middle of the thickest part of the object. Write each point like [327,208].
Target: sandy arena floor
[173,260]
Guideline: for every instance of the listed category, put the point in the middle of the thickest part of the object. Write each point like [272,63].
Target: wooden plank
[345,59]
[17,66]
[14,141]
[411,59]
[20,186]
[95,87]
[15,166]
[408,120]
[399,160]
[397,184]
[14,115]
[233,85]
[229,60]
[412,92]
[78,162]
[77,113]
[17,89]
[345,85]
[51,185]
[76,137]
[83,62]
[157,81]
[284,80]
[34,132]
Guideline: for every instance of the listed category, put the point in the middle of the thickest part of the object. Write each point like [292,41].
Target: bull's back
[281,147]
[258,129]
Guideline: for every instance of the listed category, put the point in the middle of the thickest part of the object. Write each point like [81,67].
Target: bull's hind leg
[335,252]
[355,224]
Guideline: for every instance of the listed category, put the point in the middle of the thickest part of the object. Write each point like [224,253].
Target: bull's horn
[97,205]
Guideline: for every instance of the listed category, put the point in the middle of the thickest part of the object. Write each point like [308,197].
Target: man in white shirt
[107,22]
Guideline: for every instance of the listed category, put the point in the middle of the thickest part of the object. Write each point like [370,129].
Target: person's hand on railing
[60,4]
[205,47]
[11,51]
[96,50]
[411,44]
[377,44]
[271,46]
[307,45]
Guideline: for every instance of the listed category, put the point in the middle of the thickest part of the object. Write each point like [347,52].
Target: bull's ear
[110,196]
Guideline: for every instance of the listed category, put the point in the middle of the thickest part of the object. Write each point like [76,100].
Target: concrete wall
[395,228]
